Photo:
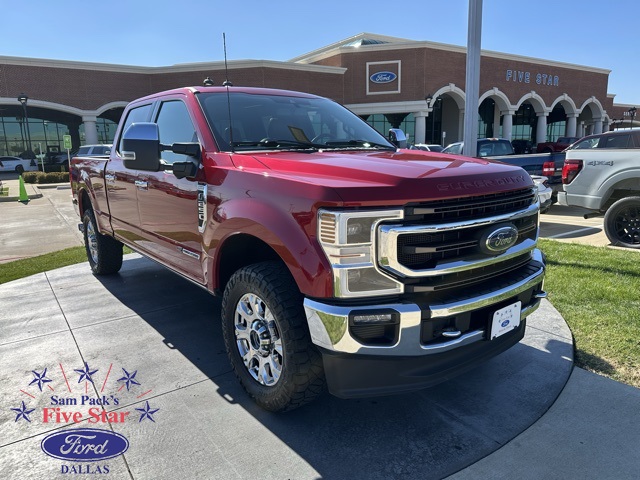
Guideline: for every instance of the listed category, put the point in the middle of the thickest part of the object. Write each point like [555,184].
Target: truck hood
[394,177]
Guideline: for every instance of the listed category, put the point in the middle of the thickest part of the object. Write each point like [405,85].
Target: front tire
[103,252]
[267,339]
[622,223]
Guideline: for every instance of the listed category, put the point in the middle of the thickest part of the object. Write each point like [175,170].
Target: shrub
[30,177]
[42,178]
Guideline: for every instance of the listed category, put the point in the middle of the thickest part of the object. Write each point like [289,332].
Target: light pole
[22,98]
[632,114]
[428,99]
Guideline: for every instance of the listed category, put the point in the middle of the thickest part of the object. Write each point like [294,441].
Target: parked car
[17,164]
[557,146]
[94,150]
[62,159]
[487,147]
[602,173]
[427,147]
[545,193]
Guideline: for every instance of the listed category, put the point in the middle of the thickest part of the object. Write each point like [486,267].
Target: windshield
[268,122]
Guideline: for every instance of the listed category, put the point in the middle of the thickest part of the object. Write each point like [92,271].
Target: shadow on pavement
[428,434]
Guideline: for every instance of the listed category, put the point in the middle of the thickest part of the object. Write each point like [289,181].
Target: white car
[544,192]
[427,147]
[17,164]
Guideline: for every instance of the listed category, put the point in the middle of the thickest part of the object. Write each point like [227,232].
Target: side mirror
[188,168]
[141,147]
[397,137]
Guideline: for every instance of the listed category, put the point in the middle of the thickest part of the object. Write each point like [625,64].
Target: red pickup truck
[343,261]
[558,146]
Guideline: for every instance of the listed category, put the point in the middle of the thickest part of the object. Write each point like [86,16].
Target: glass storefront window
[382,124]
[105,129]
[556,123]
[524,123]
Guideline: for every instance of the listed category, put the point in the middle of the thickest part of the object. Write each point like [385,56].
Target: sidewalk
[46,223]
[13,184]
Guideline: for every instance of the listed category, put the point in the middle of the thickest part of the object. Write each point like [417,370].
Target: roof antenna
[227,84]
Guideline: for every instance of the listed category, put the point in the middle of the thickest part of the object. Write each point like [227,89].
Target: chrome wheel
[258,340]
[92,241]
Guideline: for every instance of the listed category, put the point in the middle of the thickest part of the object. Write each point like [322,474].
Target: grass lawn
[42,263]
[596,289]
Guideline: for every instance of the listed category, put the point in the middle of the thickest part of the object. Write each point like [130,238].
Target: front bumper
[407,362]
[356,376]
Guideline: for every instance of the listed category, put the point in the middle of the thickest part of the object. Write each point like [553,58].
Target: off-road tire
[301,377]
[622,223]
[103,252]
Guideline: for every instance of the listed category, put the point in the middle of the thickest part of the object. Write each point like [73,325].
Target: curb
[35,188]
[17,198]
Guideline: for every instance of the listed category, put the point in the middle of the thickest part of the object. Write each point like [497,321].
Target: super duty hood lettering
[513,180]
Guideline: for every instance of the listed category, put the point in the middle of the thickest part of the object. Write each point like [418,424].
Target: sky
[595,33]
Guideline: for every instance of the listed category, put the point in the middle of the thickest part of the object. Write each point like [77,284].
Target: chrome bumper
[329,324]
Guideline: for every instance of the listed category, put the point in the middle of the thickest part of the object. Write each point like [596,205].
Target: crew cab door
[167,205]
[120,184]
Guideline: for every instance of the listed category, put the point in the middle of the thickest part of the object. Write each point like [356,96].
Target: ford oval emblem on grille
[498,240]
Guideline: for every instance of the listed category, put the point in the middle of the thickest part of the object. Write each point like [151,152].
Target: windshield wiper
[279,144]
[359,144]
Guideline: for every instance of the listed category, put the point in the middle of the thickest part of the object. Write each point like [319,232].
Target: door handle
[141,185]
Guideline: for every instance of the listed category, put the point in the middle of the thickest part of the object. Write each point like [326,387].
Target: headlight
[347,239]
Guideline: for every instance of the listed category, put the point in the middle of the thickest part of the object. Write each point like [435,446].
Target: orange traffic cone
[23,192]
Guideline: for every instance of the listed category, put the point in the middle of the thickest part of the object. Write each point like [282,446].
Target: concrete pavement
[525,414]
[152,322]
[44,224]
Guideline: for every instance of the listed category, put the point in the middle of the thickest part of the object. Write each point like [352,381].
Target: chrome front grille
[467,208]
[439,245]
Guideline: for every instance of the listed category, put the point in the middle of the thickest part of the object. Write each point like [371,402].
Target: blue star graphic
[85,373]
[147,413]
[129,379]
[40,378]
[23,412]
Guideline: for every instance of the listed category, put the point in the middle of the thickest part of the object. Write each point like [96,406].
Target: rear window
[615,141]
[494,148]
[591,142]
[83,150]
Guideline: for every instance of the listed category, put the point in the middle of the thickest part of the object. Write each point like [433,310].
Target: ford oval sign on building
[383,77]
[84,445]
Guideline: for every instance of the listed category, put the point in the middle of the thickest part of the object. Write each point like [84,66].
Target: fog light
[373,318]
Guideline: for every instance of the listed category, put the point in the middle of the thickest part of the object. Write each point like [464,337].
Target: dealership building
[418,86]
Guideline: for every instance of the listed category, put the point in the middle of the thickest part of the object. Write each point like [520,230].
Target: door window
[175,126]
[138,114]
